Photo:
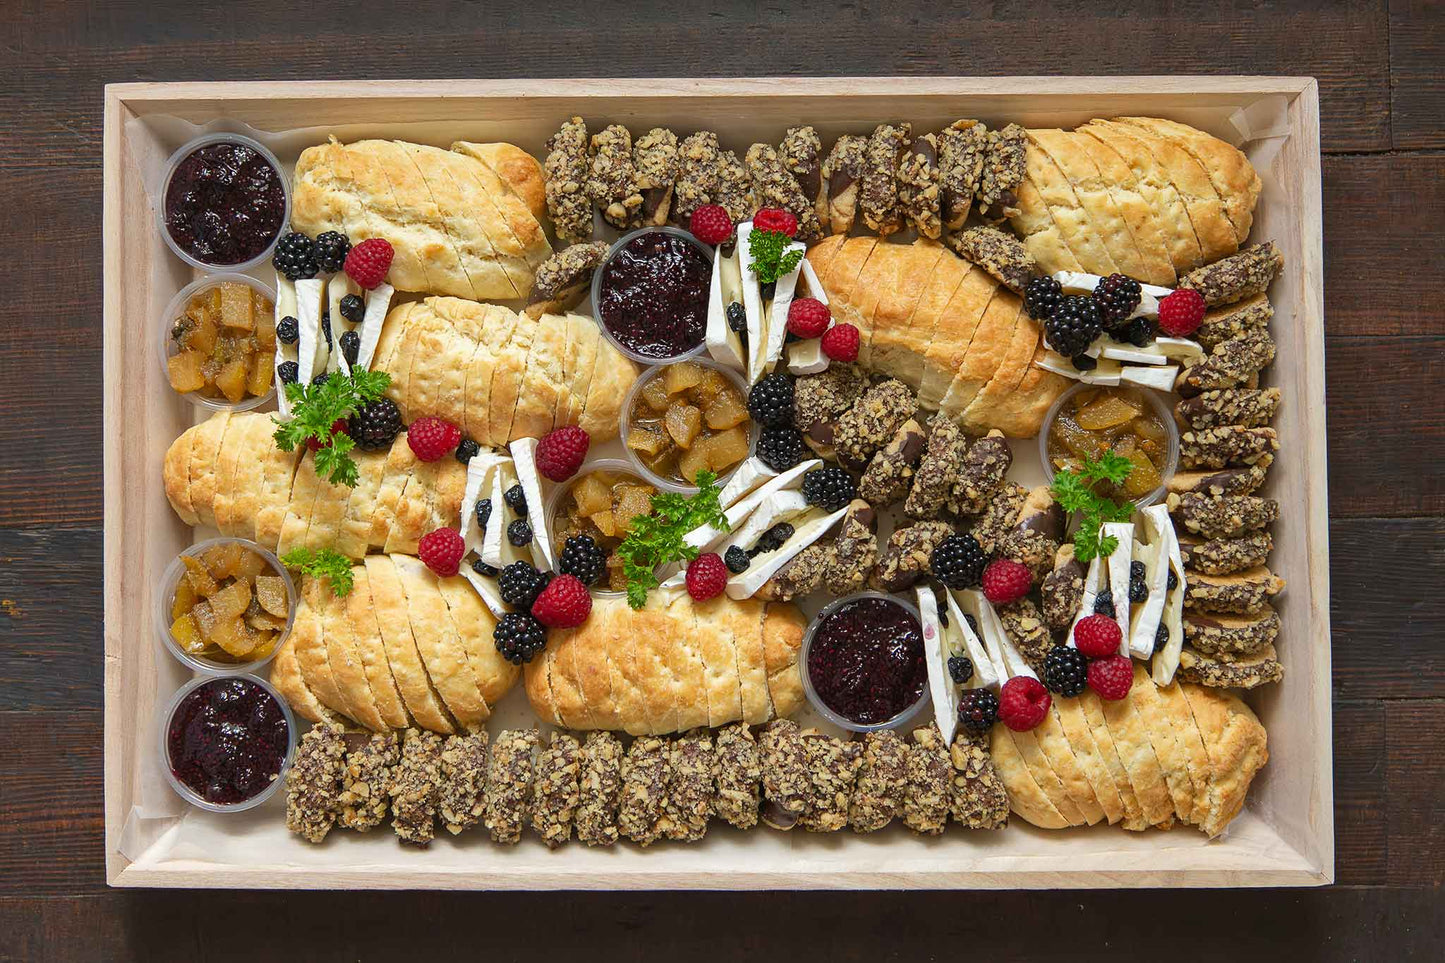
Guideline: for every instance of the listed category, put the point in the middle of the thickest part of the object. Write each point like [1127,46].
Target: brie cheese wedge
[972,602]
[812,287]
[1121,352]
[757,346]
[1167,661]
[479,476]
[312,349]
[488,589]
[337,288]
[997,639]
[723,344]
[962,640]
[1160,379]
[285,308]
[1093,582]
[777,324]
[498,550]
[524,462]
[782,507]
[1144,616]
[1077,282]
[941,689]
[811,527]
[1118,568]
[378,302]
[807,357]
[745,480]
[706,536]
[1180,349]
[1107,372]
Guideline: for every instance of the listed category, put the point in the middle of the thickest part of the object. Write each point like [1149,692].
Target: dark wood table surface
[1382,107]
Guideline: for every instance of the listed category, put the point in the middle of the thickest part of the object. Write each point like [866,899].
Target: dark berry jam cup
[195,798]
[600,275]
[901,717]
[162,206]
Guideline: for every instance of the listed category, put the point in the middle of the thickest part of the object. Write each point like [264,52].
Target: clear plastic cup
[174,162]
[167,344]
[601,272]
[165,592]
[188,794]
[560,492]
[813,698]
[1161,408]
[669,484]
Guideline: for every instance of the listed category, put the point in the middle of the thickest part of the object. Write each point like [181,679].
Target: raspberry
[430,438]
[1097,636]
[1023,702]
[1181,312]
[1006,581]
[442,550]
[560,453]
[775,219]
[710,224]
[1112,676]
[840,342]
[563,604]
[707,576]
[337,427]
[808,318]
[368,262]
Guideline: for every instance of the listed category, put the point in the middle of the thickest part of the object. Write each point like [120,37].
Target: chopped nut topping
[313,786]
[414,787]
[566,171]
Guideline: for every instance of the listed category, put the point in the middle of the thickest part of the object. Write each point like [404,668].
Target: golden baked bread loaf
[1142,196]
[228,473]
[1180,751]
[403,647]
[942,326]
[501,375]
[462,221]
[671,666]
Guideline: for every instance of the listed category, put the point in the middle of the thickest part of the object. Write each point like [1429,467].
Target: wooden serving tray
[1284,837]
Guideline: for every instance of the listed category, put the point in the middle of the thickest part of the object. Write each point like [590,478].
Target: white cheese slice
[757,347]
[337,288]
[782,507]
[1107,372]
[992,626]
[524,461]
[479,476]
[807,357]
[1119,352]
[285,308]
[1160,379]
[1167,661]
[311,349]
[812,287]
[1118,567]
[1180,349]
[498,550]
[811,528]
[723,344]
[1093,583]
[960,634]
[707,536]
[745,480]
[488,589]
[778,310]
[941,689]
[1144,617]
[972,602]
[378,301]
[1077,282]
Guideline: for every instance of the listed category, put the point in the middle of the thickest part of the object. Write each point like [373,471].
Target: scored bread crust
[1070,717]
[896,345]
[1233,176]
[347,671]
[1173,762]
[987,348]
[1138,214]
[1018,355]
[439,644]
[1091,195]
[366,637]
[389,603]
[1082,237]
[1056,749]
[311,655]
[518,171]
[1041,236]
[1092,708]
[1026,797]
[287,680]
[1237,746]
[1136,752]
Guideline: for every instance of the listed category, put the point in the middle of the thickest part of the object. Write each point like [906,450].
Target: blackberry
[977,711]
[781,448]
[295,256]
[960,668]
[1116,297]
[770,401]
[516,500]
[288,372]
[519,533]
[1073,325]
[1138,587]
[1083,362]
[484,512]
[350,347]
[772,539]
[581,557]
[1136,569]
[958,562]
[1173,581]
[972,623]
[482,568]
[768,291]
[1161,636]
[375,425]
[520,584]
[829,488]
[288,330]
[1140,333]
[320,379]
[1041,296]
[326,326]
[331,250]
[467,450]
[353,308]
[737,318]
[1104,603]
[519,637]
[736,559]
[1066,670]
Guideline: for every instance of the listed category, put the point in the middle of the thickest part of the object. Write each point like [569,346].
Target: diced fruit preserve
[602,504]
[866,662]
[653,293]
[230,607]
[225,340]
[225,204]
[686,418]
[227,740]
[1120,420]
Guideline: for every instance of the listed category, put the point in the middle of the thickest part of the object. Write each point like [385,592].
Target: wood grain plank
[1415,784]
[50,619]
[1417,89]
[1362,830]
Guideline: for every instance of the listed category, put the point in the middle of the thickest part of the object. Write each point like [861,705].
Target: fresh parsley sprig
[771,257]
[1074,491]
[315,408]
[322,563]
[658,539]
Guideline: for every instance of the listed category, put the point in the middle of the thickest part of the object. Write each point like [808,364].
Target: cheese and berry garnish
[709,537]
[1166,657]
[287,334]
[941,688]
[807,529]
[726,313]
[524,460]
[964,641]
[356,318]
[1118,570]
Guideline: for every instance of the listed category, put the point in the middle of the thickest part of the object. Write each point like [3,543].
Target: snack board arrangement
[729,484]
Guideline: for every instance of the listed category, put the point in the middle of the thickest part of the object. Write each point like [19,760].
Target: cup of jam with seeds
[651,294]
[226,742]
[224,202]
[863,662]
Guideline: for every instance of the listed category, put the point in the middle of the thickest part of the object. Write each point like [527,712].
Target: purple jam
[225,204]
[866,660]
[653,295]
[227,740]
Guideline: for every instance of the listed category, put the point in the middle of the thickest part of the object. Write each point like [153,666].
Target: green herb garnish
[315,408]
[771,257]
[322,563]
[658,539]
[1074,491]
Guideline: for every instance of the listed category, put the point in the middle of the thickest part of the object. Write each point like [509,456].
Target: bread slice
[434,196]
[747,619]
[929,325]
[1136,752]
[371,650]
[1004,385]
[582,342]
[1054,745]
[1041,236]
[235,445]
[956,328]
[342,655]
[880,276]
[464,334]
[1168,749]
[651,670]
[1020,413]
[353,528]
[176,475]
[841,279]
[414,507]
[1085,228]
[255,449]
[783,627]
[497,325]
[409,321]
[500,198]
[1230,172]
[439,644]
[585,656]
[1025,796]
[894,345]
[494,211]
[311,655]
[297,521]
[627,698]
[417,241]
[1033,756]
[612,377]
[1237,746]
[974,365]
[475,624]
[571,706]
[393,619]
[1186,733]
[508,370]
[286,677]
[395,476]
[518,171]
[537,680]
[545,379]
[1092,194]
[1092,708]
[713,640]
[1090,759]
[201,468]
[821,255]
[1158,192]
[1138,214]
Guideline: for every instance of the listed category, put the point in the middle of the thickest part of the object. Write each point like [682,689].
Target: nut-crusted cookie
[981,476]
[461,796]
[1228,637]
[843,175]
[890,472]
[1033,540]
[854,551]
[819,400]
[364,799]
[961,148]
[564,279]
[882,776]
[1003,170]
[799,576]
[878,195]
[1025,626]
[313,786]
[1239,276]
[833,770]
[567,167]
[599,790]
[1249,672]
[414,787]
[905,556]
[774,186]
[558,789]
[1224,516]
[690,787]
[1244,593]
[802,154]
[928,788]
[1244,407]
[999,515]
[739,776]
[918,186]
[612,178]
[734,187]
[872,421]
[655,159]
[938,469]
[1232,363]
[1226,445]
[786,784]
[977,798]
[1062,590]
[999,253]
[1237,480]
[697,175]
[645,775]
[1221,324]
[510,776]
